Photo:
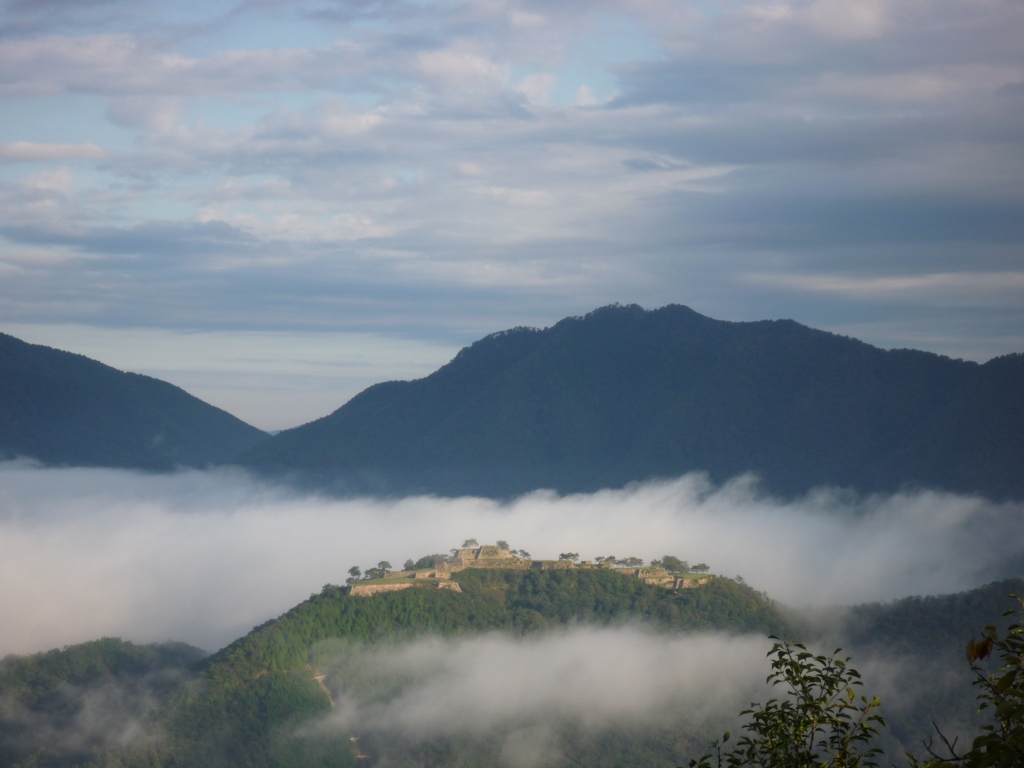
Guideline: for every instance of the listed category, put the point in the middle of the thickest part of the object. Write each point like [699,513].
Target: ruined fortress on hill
[440,576]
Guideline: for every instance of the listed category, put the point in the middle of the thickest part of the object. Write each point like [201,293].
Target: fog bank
[586,677]
[204,556]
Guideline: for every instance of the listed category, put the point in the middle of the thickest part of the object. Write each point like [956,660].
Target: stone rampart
[552,565]
[366,590]
[690,582]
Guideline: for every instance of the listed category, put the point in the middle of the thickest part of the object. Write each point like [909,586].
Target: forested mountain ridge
[258,702]
[99,703]
[66,409]
[625,394]
[247,704]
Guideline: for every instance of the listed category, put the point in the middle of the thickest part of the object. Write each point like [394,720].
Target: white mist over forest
[204,556]
[522,692]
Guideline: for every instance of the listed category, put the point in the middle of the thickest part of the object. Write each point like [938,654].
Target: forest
[257,702]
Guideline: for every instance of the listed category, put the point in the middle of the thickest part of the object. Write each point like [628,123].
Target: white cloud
[537,88]
[850,19]
[134,66]
[159,113]
[462,67]
[585,96]
[584,677]
[953,288]
[202,557]
[33,151]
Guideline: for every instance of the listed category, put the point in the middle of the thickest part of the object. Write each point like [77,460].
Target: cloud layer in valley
[521,695]
[202,557]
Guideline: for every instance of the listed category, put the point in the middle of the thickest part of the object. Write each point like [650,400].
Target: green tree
[502,544]
[701,568]
[573,556]
[820,723]
[1001,742]
[673,564]
[469,543]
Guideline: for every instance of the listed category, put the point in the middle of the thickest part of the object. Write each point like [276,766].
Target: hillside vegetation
[258,702]
[245,705]
[65,409]
[625,394]
[100,703]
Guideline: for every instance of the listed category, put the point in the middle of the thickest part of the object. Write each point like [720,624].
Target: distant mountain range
[625,394]
[65,409]
[593,402]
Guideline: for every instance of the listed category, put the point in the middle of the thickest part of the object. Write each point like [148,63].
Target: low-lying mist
[523,702]
[588,677]
[203,556]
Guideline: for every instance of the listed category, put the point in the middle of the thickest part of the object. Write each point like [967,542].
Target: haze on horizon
[274,204]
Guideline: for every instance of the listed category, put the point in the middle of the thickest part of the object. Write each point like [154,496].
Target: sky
[274,204]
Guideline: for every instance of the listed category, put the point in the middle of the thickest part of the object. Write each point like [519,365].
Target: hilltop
[438,574]
[625,394]
[68,410]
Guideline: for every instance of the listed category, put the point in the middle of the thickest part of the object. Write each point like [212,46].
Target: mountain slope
[257,693]
[625,394]
[65,409]
[67,707]
[279,697]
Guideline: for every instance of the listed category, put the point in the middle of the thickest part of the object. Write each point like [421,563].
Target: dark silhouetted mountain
[65,409]
[625,394]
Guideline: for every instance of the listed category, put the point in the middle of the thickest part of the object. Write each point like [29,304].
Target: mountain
[911,652]
[65,409]
[257,702]
[66,707]
[279,696]
[625,394]
[257,693]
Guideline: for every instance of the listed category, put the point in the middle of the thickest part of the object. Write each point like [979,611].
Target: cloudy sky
[277,202]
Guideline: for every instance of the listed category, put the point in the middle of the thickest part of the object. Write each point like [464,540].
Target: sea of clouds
[204,556]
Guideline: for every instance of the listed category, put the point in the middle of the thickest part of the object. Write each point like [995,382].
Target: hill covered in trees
[65,409]
[625,394]
[100,703]
[247,704]
[272,697]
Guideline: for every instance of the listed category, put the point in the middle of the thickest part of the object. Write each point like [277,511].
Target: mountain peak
[624,394]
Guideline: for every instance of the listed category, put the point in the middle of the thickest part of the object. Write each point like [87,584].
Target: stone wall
[485,557]
[366,590]
[552,565]
[691,582]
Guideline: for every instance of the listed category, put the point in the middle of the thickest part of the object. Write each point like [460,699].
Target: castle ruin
[490,556]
